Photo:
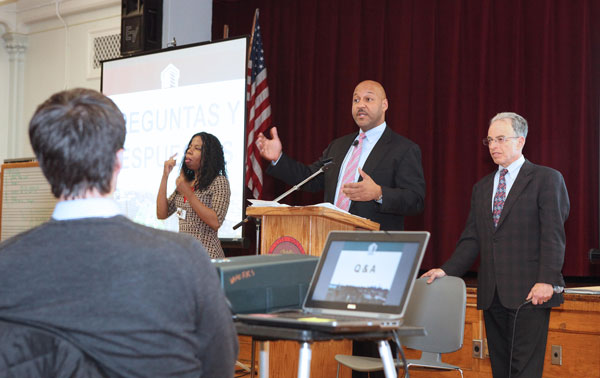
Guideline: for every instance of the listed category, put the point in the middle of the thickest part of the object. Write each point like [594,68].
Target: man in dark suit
[516,227]
[388,182]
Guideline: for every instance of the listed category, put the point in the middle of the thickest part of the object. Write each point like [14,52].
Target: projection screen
[167,97]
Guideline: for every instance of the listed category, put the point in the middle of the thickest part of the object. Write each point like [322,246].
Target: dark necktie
[500,197]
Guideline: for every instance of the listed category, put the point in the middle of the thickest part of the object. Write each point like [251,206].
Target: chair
[438,307]
[27,351]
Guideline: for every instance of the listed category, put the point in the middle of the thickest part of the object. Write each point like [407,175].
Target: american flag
[259,110]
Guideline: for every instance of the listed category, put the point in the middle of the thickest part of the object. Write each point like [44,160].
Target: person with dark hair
[201,198]
[136,301]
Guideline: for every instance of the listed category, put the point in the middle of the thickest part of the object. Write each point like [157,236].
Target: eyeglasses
[500,140]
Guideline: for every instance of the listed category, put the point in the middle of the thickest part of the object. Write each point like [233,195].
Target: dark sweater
[139,301]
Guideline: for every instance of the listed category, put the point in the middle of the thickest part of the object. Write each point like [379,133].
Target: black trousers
[528,346]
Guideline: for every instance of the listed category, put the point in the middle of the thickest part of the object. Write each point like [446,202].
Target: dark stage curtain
[448,66]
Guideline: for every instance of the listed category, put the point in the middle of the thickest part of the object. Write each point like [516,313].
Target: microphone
[355,143]
[325,165]
[556,289]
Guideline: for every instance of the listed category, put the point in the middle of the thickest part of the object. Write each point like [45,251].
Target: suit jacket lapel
[378,152]
[376,156]
[487,201]
[520,183]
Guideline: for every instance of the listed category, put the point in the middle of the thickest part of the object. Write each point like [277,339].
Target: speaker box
[141,25]
[265,283]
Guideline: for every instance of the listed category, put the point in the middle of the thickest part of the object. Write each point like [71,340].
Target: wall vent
[106,47]
[103,45]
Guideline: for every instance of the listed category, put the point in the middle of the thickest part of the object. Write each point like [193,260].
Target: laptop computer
[362,282]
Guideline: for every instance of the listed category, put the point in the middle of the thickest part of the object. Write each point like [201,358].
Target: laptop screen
[367,271]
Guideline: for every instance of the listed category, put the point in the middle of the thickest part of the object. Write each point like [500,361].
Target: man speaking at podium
[376,173]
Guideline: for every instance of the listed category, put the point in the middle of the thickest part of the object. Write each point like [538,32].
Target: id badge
[181,213]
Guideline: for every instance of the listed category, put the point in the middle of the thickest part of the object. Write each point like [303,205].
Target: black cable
[512,339]
[239,373]
[401,353]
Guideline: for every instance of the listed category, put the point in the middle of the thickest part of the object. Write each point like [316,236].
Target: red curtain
[448,66]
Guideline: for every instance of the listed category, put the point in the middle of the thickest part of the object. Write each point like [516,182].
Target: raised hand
[169,164]
[270,149]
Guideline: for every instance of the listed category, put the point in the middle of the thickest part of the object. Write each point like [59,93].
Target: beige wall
[58,57]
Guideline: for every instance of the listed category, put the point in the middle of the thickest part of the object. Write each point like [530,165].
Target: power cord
[401,353]
[512,339]
[557,290]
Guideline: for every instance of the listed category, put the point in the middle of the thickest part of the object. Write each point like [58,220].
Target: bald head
[369,104]
[373,86]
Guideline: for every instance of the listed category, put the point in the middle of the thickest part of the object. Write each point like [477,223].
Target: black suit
[526,247]
[394,164]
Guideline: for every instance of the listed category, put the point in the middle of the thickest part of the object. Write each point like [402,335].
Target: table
[305,337]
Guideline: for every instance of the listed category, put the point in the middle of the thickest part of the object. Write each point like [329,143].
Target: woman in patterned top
[201,198]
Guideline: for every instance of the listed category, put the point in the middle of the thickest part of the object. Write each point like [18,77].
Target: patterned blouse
[215,196]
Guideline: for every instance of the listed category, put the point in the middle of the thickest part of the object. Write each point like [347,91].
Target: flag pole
[256,12]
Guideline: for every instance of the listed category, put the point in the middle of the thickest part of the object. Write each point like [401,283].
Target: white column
[16,46]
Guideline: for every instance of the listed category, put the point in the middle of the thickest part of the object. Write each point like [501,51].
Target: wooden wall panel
[575,326]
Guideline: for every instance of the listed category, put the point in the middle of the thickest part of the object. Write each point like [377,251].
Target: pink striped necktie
[343,202]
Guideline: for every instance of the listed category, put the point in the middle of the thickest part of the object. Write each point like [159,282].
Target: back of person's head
[75,135]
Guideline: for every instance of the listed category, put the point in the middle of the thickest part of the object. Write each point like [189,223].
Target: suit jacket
[527,246]
[394,163]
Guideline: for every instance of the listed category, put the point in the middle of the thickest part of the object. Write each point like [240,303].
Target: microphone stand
[324,167]
[298,185]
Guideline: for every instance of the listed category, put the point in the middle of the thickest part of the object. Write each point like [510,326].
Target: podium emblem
[286,245]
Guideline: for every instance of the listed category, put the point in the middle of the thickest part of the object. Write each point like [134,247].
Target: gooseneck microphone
[325,165]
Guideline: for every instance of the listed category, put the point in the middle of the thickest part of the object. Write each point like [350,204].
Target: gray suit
[527,247]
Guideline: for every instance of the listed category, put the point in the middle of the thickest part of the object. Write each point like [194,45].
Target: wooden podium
[307,225]
[304,229]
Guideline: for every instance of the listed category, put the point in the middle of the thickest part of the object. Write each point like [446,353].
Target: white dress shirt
[371,138]
[510,177]
[86,208]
